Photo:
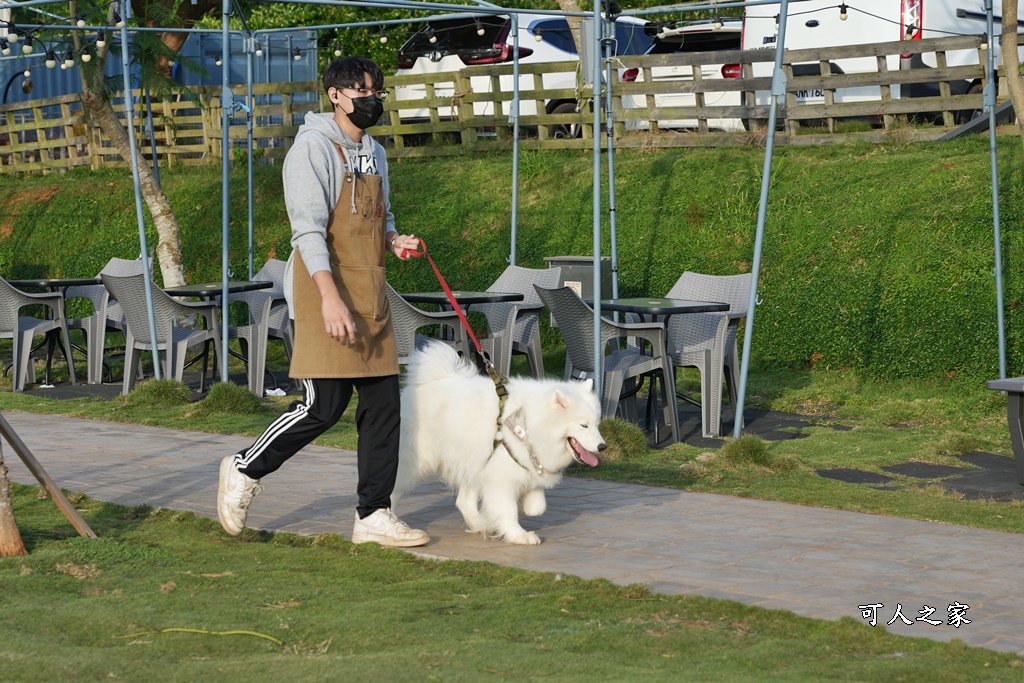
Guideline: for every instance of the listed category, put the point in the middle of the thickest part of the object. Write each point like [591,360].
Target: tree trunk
[1011,62]
[10,539]
[168,248]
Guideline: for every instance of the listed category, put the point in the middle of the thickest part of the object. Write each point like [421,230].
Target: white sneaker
[385,528]
[234,494]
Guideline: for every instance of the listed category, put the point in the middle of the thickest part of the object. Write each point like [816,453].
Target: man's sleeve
[307,189]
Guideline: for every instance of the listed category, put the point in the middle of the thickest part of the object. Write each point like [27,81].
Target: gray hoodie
[314,180]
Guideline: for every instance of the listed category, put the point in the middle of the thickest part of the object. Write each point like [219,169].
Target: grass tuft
[748,450]
[625,440]
[226,397]
[156,393]
[958,443]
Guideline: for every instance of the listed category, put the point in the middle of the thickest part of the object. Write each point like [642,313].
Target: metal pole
[609,118]
[513,117]
[226,102]
[595,76]
[250,48]
[990,106]
[152,137]
[778,93]
[129,110]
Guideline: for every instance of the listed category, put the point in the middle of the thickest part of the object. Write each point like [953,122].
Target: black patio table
[52,339]
[462,297]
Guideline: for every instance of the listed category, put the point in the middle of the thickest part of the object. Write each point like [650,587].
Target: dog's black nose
[600,449]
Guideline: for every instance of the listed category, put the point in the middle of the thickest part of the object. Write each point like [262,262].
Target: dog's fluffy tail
[437,361]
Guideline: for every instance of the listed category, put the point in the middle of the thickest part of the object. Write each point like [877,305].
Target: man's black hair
[348,72]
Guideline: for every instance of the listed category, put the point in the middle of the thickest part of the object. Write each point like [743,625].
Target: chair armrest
[54,300]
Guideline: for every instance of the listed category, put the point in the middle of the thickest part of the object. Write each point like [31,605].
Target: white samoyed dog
[450,431]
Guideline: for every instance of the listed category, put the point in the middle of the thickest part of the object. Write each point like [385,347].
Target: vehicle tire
[965,115]
[562,130]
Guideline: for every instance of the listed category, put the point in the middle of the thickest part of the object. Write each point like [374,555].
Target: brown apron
[355,243]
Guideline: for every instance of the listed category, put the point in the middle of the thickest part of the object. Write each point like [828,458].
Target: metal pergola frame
[457,10]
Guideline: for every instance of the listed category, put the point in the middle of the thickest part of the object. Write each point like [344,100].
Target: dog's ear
[559,400]
[588,384]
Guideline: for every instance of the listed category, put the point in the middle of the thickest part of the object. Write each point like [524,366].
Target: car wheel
[562,130]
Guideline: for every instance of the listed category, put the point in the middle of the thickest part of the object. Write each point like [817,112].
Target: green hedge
[877,258]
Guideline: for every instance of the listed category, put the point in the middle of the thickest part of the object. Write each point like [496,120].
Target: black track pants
[377,422]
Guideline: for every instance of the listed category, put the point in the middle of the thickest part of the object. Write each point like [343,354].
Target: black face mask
[366,111]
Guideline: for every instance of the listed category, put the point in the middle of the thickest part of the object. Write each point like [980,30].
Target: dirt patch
[17,200]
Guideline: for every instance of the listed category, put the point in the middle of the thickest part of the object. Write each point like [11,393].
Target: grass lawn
[163,595]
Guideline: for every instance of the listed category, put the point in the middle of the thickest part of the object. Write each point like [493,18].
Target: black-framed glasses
[366,92]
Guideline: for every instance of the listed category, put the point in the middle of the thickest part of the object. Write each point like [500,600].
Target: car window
[710,41]
[631,38]
[456,37]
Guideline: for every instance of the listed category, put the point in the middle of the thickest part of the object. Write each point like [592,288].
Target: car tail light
[499,55]
[732,71]
[911,18]
[405,62]
[629,76]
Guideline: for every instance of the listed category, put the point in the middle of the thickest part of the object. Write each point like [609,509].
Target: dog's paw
[525,538]
[533,503]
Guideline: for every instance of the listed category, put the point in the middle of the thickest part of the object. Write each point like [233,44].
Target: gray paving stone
[819,563]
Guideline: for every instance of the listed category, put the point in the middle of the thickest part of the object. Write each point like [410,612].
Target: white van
[824,23]
[449,45]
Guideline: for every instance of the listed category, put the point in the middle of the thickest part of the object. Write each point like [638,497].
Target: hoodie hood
[326,126]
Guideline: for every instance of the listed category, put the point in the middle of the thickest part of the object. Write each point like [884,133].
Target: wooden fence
[465,111]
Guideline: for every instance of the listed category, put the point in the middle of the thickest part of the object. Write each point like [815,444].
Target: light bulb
[717,25]
[170,62]
[383,36]
[69,59]
[12,37]
[63,66]
[538,37]
[118,21]
[259,50]
[431,38]
[80,23]
[27,74]
[5,49]
[983,46]
[101,40]
[86,57]
[218,61]
[479,27]
[51,59]
[337,50]
[842,12]
[27,48]
[297,55]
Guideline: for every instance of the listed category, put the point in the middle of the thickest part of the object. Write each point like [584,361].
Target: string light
[717,25]
[51,59]
[81,22]
[69,59]
[5,49]
[537,36]
[259,49]
[297,55]
[118,21]
[337,49]
[101,40]
[27,48]
[86,55]
[842,12]
[12,33]
[383,36]
[218,61]
[431,36]
[479,27]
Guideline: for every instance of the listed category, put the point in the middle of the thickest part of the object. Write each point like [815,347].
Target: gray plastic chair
[22,329]
[173,340]
[515,327]
[253,337]
[279,323]
[707,341]
[107,315]
[407,320]
[621,367]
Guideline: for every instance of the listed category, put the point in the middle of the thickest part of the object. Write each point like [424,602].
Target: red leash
[448,293]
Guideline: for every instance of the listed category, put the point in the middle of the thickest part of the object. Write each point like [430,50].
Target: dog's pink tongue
[586,456]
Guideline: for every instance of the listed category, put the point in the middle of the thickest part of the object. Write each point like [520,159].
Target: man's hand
[404,245]
[338,321]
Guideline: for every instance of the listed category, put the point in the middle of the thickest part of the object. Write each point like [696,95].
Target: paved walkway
[815,562]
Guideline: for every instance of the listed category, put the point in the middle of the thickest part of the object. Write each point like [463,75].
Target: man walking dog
[337,194]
